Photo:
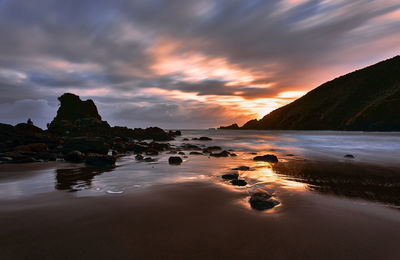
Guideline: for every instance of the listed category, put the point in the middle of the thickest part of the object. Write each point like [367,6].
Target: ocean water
[309,161]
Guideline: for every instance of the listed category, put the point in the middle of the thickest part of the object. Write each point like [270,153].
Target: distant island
[364,100]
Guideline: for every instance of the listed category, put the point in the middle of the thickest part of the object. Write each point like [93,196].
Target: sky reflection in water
[317,165]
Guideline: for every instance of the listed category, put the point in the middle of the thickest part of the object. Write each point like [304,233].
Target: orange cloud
[193,66]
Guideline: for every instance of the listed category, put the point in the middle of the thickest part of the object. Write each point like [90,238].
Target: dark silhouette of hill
[367,99]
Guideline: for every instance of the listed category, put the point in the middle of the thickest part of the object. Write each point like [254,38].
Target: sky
[183,63]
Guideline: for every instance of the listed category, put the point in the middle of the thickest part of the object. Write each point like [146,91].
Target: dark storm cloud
[49,46]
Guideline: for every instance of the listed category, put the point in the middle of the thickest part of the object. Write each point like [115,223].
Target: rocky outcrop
[230,127]
[76,117]
[76,131]
[85,145]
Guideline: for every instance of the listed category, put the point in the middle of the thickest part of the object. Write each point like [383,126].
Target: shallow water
[316,164]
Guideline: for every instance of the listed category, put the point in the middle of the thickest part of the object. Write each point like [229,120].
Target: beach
[159,211]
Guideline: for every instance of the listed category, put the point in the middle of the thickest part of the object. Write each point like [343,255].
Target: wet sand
[196,220]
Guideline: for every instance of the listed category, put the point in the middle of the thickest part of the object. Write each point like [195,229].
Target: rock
[47,156]
[349,156]
[205,138]
[233,154]
[6,159]
[230,176]
[266,158]
[17,157]
[6,131]
[175,160]
[181,153]
[136,148]
[262,201]
[73,108]
[139,157]
[242,168]
[159,146]
[151,152]
[289,154]
[35,148]
[74,156]
[85,145]
[100,160]
[239,182]
[185,139]
[196,153]
[230,127]
[149,159]
[24,127]
[152,133]
[190,147]
[211,149]
[174,133]
[221,154]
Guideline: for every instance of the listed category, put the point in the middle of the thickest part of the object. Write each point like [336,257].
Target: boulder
[230,176]
[149,159]
[211,149]
[205,138]
[85,145]
[196,153]
[136,148]
[151,152]
[262,201]
[242,168]
[17,157]
[190,147]
[238,182]
[35,147]
[175,160]
[139,157]
[349,156]
[74,156]
[266,158]
[100,160]
[221,154]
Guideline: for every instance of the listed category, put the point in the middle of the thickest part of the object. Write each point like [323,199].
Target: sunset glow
[185,64]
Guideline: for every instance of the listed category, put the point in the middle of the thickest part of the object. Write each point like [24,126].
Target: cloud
[19,111]
[165,58]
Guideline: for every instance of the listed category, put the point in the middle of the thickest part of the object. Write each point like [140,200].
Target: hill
[364,100]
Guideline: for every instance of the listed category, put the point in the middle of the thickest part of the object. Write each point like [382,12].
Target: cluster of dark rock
[260,200]
[76,134]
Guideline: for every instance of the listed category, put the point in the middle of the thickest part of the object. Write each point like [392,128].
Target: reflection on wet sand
[75,179]
[374,183]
